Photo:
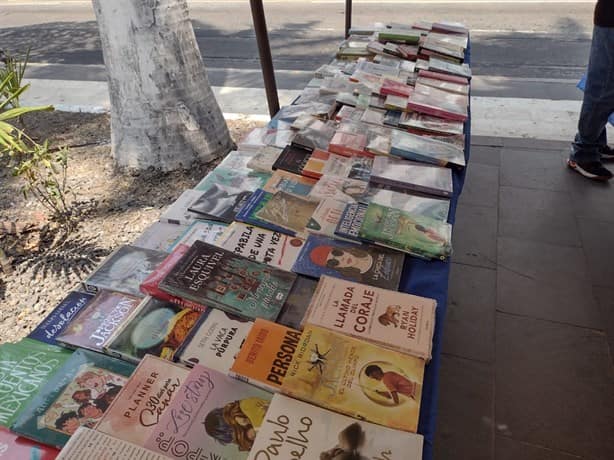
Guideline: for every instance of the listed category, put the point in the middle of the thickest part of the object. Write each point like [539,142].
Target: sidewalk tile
[485,155]
[469,331]
[545,281]
[489,141]
[605,299]
[481,185]
[554,386]
[591,199]
[598,239]
[510,449]
[537,215]
[532,144]
[539,169]
[474,236]
[464,424]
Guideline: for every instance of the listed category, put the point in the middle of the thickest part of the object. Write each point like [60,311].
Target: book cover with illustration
[222,202]
[288,211]
[145,397]
[420,148]
[249,213]
[212,417]
[356,378]
[95,324]
[79,393]
[297,302]
[215,341]
[265,356]
[151,285]
[435,208]
[290,183]
[412,176]
[349,225]
[295,429]
[25,367]
[417,235]
[94,445]
[13,447]
[292,159]
[203,230]
[326,217]
[177,212]
[261,245]
[371,265]
[395,320]
[338,188]
[323,163]
[213,276]
[124,270]
[60,317]
[156,327]
[264,159]
[159,236]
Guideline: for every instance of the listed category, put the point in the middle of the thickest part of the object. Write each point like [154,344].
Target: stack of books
[261,317]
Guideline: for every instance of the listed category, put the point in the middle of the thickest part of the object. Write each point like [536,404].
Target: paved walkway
[527,371]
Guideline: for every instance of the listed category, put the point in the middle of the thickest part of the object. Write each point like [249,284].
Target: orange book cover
[265,356]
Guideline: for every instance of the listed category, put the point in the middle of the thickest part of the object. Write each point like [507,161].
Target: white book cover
[294,429]
[326,217]
[159,236]
[261,245]
[94,445]
[205,230]
[215,341]
[177,212]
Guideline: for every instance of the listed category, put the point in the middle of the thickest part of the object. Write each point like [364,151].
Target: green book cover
[77,395]
[24,368]
[417,235]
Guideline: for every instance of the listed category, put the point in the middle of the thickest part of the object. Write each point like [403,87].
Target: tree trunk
[163,111]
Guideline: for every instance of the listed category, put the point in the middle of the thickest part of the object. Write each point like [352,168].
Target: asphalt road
[519,49]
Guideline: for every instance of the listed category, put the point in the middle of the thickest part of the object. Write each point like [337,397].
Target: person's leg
[598,102]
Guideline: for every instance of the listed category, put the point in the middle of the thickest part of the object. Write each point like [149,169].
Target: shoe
[593,170]
[607,153]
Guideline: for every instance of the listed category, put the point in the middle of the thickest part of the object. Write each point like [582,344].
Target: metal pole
[264,50]
[348,17]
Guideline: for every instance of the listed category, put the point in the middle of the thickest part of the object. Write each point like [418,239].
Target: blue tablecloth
[430,279]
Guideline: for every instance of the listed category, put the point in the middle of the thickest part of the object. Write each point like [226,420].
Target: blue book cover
[371,265]
[351,220]
[254,204]
[59,318]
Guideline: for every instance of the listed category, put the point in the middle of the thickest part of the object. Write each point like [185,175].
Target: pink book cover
[395,320]
[348,144]
[150,285]
[443,77]
[212,417]
[395,88]
[437,106]
[139,406]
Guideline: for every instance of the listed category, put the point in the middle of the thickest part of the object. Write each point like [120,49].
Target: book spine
[254,382]
[158,293]
[404,187]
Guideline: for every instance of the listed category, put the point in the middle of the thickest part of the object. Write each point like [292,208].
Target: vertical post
[264,50]
[348,17]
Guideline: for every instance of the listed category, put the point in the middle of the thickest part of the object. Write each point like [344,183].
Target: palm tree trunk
[163,111]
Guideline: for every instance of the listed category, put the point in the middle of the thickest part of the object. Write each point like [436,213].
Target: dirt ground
[114,208]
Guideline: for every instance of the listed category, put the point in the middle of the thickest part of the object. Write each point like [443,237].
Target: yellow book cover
[265,356]
[356,378]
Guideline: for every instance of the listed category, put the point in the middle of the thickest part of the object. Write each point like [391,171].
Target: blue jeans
[598,101]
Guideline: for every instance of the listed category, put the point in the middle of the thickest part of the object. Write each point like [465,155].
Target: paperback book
[439,103]
[412,176]
[351,220]
[443,66]
[249,213]
[338,188]
[264,159]
[417,235]
[207,231]
[423,149]
[177,213]
[25,367]
[60,317]
[431,124]
[151,285]
[292,159]
[215,341]
[95,324]
[13,447]
[435,208]
[210,275]
[79,393]
[144,399]
[261,245]
[395,320]
[212,417]
[323,163]
[374,266]
[325,218]
[159,236]
[356,378]
[311,432]
[287,211]
[290,183]
[94,445]
[124,270]
[156,327]
[265,357]
[297,302]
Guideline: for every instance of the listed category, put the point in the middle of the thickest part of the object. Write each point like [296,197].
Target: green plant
[43,169]
[12,73]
